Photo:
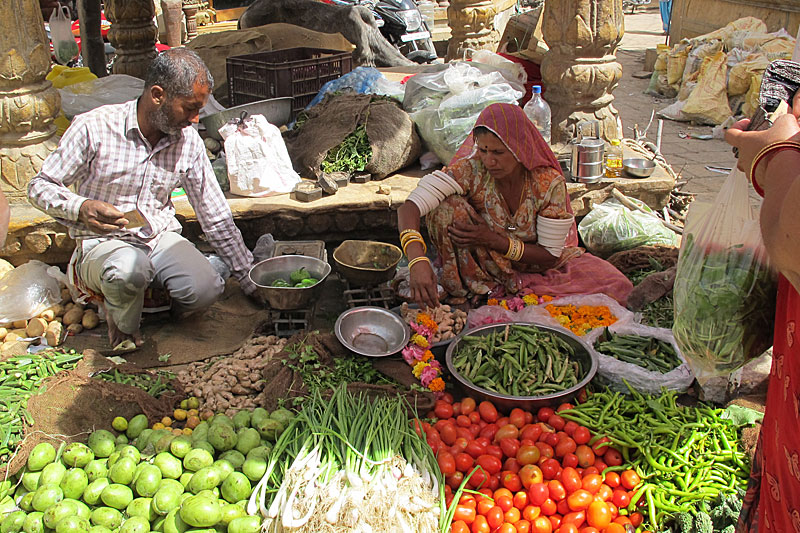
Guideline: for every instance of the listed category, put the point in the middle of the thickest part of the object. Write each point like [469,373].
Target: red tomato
[464,432]
[510,446]
[580,500]
[490,463]
[489,431]
[494,482]
[449,434]
[614,528]
[484,505]
[598,515]
[528,455]
[550,468]
[531,512]
[585,455]
[523,526]
[589,529]
[507,528]
[506,431]
[612,480]
[630,479]
[599,464]
[564,447]
[447,397]
[621,498]
[564,406]
[567,528]
[557,422]
[512,516]
[592,483]
[459,526]
[512,481]
[460,444]
[545,449]
[463,421]
[475,448]
[521,500]
[538,493]
[600,445]
[582,435]
[502,421]
[549,507]
[495,451]
[555,521]
[544,414]
[636,519]
[517,417]
[590,470]
[443,409]
[495,517]
[447,463]
[512,465]
[474,430]
[465,513]
[612,457]
[480,525]
[570,460]
[454,481]
[531,432]
[570,479]
[529,417]
[488,412]
[504,502]
[614,509]
[576,518]
[604,493]
[478,479]
[484,441]
[530,474]
[467,405]
[551,439]
[542,525]
[622,520]
[435,444]
[557,490]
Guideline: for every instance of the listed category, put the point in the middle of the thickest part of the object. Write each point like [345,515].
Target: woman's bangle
[417,260]
[769,149]
[408,235]
[409,231]
[415,239]
[515,249]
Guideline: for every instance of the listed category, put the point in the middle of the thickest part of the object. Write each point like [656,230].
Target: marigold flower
[425,320]
[427,356]
[530,299]
[546,298]
[492,301]
[504,304]
[419,368]
[437,385]
[419,340]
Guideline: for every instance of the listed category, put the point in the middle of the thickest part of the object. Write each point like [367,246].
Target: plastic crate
[296,72]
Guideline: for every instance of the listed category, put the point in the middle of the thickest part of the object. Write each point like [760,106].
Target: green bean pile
[21,377]
[154,385]
[647,352]
[518,361]
[684,455]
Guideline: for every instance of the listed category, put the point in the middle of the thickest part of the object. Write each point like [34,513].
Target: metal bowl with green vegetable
[520,364]
[283,283]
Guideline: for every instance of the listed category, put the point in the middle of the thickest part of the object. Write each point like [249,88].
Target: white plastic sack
[114,89]
[258,162]
[646,381]
[27,291]
[65,48]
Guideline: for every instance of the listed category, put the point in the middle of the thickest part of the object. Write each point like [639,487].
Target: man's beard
[163,121]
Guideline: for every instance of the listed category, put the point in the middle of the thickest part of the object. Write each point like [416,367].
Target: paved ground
[689,157]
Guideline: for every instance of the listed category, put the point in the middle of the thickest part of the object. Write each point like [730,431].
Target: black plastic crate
[296,72]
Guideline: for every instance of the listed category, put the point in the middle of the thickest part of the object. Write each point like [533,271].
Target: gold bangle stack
[767,150]
[515,249]
[417,260]
[408,236]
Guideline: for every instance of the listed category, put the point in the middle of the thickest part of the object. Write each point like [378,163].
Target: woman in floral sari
[500,219]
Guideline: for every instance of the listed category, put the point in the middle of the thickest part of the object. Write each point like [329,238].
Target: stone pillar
[472,25]
[28,103]
[190,8]
[133,33]
[580,70]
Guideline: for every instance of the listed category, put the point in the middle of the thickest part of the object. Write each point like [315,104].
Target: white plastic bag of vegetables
[616,364]
[65,49]
[724,288]
[611,227]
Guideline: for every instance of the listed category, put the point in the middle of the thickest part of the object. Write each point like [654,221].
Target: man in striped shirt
[110,181]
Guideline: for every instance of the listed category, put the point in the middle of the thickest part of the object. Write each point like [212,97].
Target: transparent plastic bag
[613,370]
[265,247]
[611,227]
[724,288]
[85,96]
[27,291]
[65,48]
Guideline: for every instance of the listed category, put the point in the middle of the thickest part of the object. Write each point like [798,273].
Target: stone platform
[357,211]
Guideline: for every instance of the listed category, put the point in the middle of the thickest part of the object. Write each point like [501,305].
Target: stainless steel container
[288,298]
[587,160]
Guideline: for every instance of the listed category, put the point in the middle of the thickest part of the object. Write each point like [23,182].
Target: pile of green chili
[153,384]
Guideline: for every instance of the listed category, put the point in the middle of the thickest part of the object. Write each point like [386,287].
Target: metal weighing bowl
[367,262]
[372,331]
[287,298]
[277,111]
[638,168]
[586,358]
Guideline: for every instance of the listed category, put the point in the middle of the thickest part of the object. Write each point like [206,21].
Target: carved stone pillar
[190,8]
[28,103]
[472,25]
[133,34]
[580,70]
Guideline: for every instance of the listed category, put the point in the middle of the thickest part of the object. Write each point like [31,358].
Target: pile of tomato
[538,473]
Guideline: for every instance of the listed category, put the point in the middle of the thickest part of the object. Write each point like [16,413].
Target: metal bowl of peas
[520,364]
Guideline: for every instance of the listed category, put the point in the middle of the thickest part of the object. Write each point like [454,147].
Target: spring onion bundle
[350,464]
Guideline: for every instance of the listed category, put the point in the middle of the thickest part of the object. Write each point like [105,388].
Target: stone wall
[691,18]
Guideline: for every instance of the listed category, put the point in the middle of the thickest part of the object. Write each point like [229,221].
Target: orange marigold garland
[579,320]
[420,358]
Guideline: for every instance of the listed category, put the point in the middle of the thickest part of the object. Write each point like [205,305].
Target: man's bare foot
[115,336]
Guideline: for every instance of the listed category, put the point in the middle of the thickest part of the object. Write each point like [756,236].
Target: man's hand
[477,233]
[101,217]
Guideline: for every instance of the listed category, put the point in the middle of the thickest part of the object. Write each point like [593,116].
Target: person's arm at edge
[408,217]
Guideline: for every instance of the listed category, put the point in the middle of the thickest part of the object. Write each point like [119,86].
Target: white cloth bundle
[552,233]
[432,189]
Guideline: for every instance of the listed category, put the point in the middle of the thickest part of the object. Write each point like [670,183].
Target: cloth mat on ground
[221,330]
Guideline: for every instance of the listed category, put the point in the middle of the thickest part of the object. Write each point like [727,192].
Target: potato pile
[233,382]
[450,321]
[51,324]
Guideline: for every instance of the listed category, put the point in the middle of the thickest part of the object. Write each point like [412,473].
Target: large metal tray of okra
[520,364]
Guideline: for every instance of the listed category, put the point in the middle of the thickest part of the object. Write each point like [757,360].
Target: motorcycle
[633,4]
[400,23]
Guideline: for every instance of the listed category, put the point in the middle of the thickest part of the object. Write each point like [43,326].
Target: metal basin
[287,298]
[638,168]
[367,262]
[586,358]
[372,331]
[277,111]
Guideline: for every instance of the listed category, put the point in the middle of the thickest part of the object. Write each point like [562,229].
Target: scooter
[633,4]
[401,23]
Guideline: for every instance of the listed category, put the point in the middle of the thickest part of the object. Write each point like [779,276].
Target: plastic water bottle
[539,112]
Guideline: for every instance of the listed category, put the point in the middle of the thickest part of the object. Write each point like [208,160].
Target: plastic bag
[445,104]
[611,227]
[724,289]
[114,89]
[27,291]
[64,46]
[613,370]
[360,80]
[708,103]
[265,247]
[258,162]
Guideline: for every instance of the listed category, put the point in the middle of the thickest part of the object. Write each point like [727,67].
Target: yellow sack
[744,24]
[676,62]
[780,48]
[740,74]
[751,99]
[61,76]
[708,102]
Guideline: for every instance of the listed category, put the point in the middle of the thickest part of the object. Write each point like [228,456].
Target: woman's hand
[477,233]
[424,287]
[750,143]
